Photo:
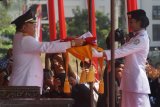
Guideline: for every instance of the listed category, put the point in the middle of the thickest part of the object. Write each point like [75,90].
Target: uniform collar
[138,32]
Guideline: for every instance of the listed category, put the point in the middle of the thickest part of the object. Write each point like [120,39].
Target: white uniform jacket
[134,78]
[27,66]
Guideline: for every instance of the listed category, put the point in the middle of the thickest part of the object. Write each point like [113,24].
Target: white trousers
[132,99]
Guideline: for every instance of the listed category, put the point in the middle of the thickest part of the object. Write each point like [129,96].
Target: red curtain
[52,22]
[62,22]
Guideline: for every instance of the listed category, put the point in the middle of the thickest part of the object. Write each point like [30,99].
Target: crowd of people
[22,65]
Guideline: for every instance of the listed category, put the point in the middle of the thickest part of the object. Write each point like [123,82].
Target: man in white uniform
[27,66]
[134,83]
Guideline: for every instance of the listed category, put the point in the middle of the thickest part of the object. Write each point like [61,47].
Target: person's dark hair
[18,28]
[139,15]
[85,64]
[118,62]
[61,77]
[108,42]
[144,21]
[47,74]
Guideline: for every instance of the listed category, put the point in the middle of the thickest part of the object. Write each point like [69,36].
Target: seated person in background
[48,81]
[1,78]
[81,92]
[119,67]
[55,80]
[6,59]
[154,82]
[6,68]
[57,66]
[152,72]
[57,61]
[52,85]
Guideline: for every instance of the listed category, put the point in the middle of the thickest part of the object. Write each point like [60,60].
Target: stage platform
[22,96]
[45,102]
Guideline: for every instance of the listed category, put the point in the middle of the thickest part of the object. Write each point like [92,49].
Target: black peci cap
[26,17]
[135,14]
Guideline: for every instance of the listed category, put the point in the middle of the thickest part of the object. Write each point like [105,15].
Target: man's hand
[77,42]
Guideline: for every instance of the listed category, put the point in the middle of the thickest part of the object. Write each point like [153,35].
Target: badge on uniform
[137,41]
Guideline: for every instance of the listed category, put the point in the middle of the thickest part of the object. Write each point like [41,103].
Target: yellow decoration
[66,86]
[91,74]
[83,76]
[83,52]
[66,83]
[101,87]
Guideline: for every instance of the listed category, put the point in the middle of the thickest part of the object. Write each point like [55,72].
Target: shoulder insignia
[137,41]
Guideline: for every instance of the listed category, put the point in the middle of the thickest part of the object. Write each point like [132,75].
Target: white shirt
[27,66]
[134,78]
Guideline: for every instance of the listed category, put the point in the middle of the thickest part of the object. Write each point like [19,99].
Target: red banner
[52,22]
[131,5]
[91,7]
[92,21]
[62,22]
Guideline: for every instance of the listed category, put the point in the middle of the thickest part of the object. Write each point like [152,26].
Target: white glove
[95,53]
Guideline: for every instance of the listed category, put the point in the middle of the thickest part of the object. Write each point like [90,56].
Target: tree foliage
[5,19]
[6,30]
[5,27]
[6,3]
[79,24]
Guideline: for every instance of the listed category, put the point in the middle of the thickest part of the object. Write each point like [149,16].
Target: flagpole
[90,29]
[112,101]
